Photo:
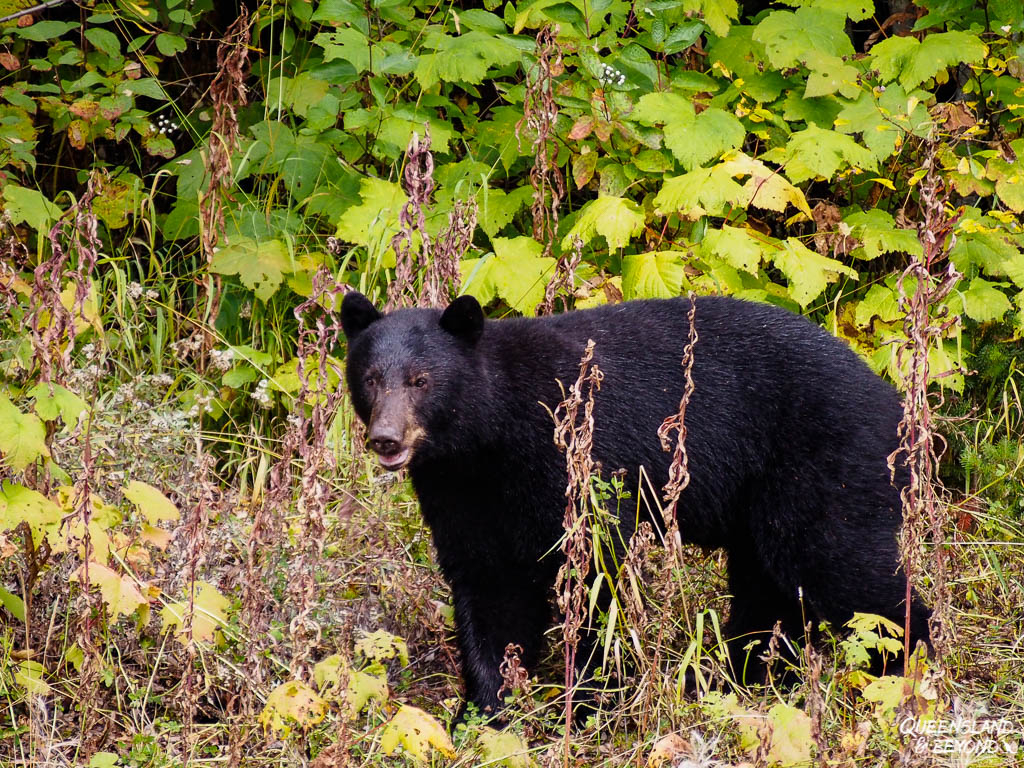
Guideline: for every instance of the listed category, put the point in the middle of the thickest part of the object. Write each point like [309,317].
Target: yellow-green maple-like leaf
[878,233]
[884,117]
[259,264]
[53,401]
[791,736]
[693,138]
[465,58]
[616,219]
[766,188]
[19,504]
[735,246]
[31,676]
[375,220]
[504,748]
[815,152]
[292,704]
[29,206]
[119,592]
[914,61]
[807,271]
[983,301]
[22,436]
[337,681]
[703,192]
[519,273]
[789,37]
[208,615]
[382,646]
[150,502]
[1009,177]
[417,732]
[654,275]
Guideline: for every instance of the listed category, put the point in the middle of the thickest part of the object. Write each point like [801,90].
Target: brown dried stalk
[227,93]
[540,114]
[574,434]
[563,279]
[418,180]
[679,471]
[924,512]
[443,278]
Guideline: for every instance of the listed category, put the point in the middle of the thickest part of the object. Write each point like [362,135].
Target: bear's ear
[464,318]
[357,314]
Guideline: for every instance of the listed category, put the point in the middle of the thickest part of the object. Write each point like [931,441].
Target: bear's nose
[385,443]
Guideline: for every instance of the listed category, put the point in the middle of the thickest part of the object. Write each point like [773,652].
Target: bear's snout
[388,438]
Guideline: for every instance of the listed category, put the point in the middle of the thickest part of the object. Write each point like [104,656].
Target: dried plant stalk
[418,179]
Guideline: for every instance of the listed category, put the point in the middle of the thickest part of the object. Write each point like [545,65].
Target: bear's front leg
[492,611]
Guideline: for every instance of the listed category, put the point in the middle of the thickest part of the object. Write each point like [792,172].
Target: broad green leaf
[53,401]
[151,503]
[43,31]
[31,676]
[477,279]
[504,748]
[30,207]
[118,200]
[360,687]
[617,219]
[735,246]
[260,265]
[984,302]
[702,192]
[719,15]
[856,10]
[382,646]
[14,604]
[418,733]
[300,93]
[815,152]
[884,117]
[830,74]
[209,614]
[496,208]
[119,592]
[791,736]
[914,61]
[22,436]
[879,234]
[991,252]
[658,274]
[292,704]
[104,40]
[693,138]
[463,59]
[348,44]
[103,760]
[807,271]
[881,302]
[520,272]
[170,45]
[375,219]
[789,37]
[23,505]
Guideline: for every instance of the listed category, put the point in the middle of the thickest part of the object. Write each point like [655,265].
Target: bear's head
[406,372]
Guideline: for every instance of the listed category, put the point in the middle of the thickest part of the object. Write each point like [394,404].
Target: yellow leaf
[23,505]
[504,748]
[88,315]
[415,731]
[22,436]
[209,613]
[766,188]
[118,592]
[292,703]
[381,646]
[30,676]
[360,688]
[156,537]
[150,502]
[669,747]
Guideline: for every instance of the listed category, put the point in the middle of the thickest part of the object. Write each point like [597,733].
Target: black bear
[788,438]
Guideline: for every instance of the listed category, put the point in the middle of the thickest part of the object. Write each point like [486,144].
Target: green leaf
[382,646]
[992,253]
[22,436]
[170,45]
[53,401]
[914,61]
[209,614]
[463,59]
[658,274]
[815,152]
[151,503]
[290,704]
[702,192]
[617,219]
[375,219]
[881,302]
[1009,177]
[504,748]
[856,10]
[349,45]
[735,246]
[807,271]
[879,234]
[14,604]
[119,592]
[884,118]
[31,676]
[766,188]
[984,302]
[520,273]
[43,31]
[789,38]
[693,139]
[103,760]
[260,265]
[30,207]
[497,208]
[104,40]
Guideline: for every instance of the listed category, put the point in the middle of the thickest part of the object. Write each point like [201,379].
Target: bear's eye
[370,380]
[419,382]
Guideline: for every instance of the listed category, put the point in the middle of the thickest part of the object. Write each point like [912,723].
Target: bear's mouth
[394,461]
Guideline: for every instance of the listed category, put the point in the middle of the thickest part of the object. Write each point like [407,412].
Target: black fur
[788,434]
